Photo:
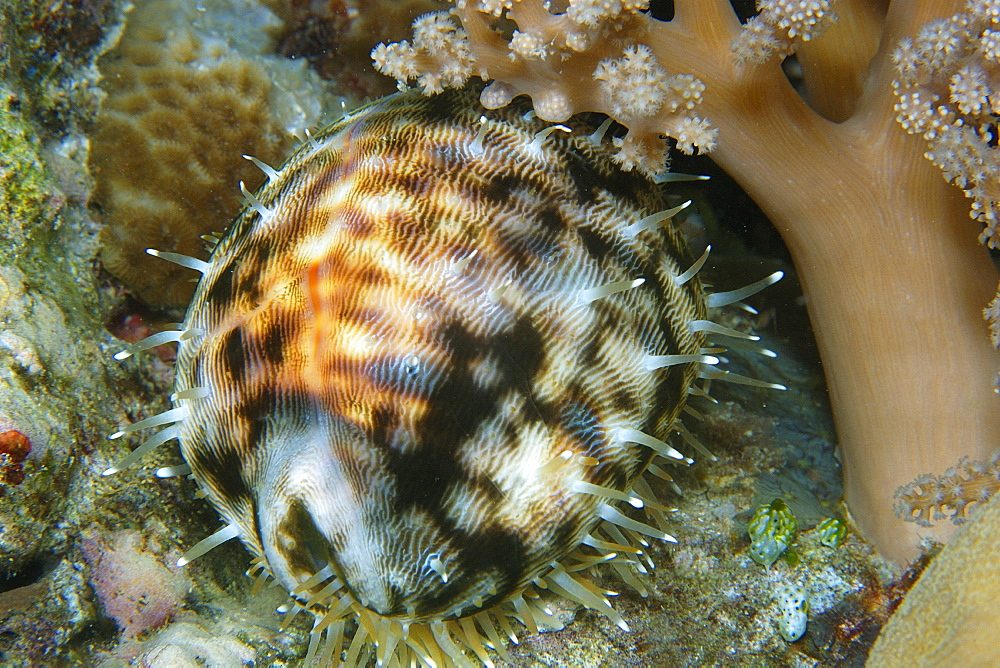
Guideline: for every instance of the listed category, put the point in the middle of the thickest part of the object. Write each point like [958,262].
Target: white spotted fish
[426,367]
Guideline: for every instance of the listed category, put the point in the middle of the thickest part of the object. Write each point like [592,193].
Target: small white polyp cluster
[946,85]
[779,25]
[438,58]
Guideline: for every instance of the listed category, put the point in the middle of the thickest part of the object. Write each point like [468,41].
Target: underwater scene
[499,332]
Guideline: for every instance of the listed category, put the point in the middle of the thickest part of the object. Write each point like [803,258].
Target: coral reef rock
[952,615]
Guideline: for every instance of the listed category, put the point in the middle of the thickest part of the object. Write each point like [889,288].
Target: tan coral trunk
[906,354]
[894,278]
[895,283]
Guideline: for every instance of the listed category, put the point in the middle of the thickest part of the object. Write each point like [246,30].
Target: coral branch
[949,93]
[834,68]
[954,495]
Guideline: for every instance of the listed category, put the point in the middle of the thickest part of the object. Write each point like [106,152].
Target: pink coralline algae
[135,588]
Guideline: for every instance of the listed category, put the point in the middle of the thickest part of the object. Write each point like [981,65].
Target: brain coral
[182,108]
[952,615]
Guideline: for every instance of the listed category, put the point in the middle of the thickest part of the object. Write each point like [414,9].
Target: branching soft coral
[894,278]
[949,92]
[955,495]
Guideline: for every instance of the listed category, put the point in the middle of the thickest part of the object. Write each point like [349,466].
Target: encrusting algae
[25,195]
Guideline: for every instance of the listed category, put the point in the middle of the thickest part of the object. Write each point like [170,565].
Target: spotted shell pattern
[412,385]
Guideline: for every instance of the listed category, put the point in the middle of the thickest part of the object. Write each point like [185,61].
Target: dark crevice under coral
[27,574]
